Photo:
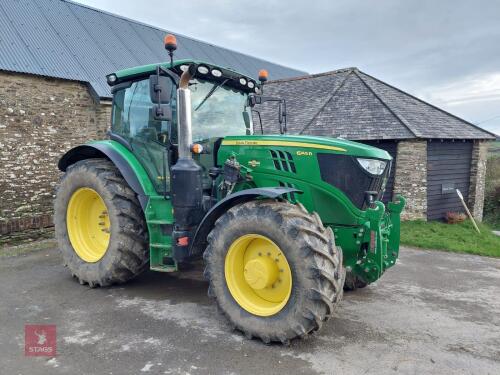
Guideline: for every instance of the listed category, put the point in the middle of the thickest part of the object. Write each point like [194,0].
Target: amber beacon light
[263,75]
[170,42]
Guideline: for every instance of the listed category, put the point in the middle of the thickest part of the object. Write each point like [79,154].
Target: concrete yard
[434,313]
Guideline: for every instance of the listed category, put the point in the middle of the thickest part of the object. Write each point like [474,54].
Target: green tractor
[283,223]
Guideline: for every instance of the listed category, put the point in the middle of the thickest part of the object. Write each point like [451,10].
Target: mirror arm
[284,114]
[259,99]
[169,73]
[158,90]
[260,121]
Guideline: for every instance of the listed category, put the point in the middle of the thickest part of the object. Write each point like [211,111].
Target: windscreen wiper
[211,92]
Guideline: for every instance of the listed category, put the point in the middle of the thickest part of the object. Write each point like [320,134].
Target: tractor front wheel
[274,270]
[99,224]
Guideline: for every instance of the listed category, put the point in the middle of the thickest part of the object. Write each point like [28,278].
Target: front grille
[289,196]
[345,173]
[283,161]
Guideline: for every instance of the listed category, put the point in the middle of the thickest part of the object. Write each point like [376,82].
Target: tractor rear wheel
[99,224]
[274,270]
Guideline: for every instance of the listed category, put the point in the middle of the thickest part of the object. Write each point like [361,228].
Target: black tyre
[353,282]
[304,245]
[99,224]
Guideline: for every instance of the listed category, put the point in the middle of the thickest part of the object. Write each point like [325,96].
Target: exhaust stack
[184,127]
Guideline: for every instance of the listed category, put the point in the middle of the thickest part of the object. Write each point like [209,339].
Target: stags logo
[40,340]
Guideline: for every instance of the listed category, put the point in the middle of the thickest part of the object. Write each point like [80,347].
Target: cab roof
[146,70]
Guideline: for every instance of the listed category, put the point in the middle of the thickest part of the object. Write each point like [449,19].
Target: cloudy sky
[446,52]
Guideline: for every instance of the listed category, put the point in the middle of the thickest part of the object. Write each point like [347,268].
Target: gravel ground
[433,313]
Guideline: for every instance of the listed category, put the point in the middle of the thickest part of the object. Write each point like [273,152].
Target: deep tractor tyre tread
[315,261]
[127,254]
[353,282]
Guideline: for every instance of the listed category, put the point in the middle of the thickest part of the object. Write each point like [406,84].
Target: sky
[444,52]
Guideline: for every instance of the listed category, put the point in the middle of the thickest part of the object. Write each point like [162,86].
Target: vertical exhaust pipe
[186,182]
[184,126]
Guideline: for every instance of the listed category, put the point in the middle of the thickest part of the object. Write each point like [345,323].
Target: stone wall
[477,178]
[40,119]
[410,178]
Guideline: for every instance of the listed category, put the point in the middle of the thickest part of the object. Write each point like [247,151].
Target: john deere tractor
[283,222]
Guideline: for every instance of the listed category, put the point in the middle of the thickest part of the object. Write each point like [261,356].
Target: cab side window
[132,118]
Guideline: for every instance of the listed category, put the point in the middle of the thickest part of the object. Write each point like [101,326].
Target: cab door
[133,120]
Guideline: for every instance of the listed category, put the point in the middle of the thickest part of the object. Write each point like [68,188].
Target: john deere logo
[253,163]
[304,153]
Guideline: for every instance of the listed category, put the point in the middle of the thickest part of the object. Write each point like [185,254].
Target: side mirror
[254,99]
[246,119]
[161,112]
[160,89]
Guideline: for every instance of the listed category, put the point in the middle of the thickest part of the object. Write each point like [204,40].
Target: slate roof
[350,104]
[59,38]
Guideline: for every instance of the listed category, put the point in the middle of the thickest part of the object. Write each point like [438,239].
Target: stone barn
[54,56]
[434,151]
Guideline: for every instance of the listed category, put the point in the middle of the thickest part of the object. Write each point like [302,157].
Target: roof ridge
[399,117]
[178,34]
[315,75]
[429,104]
[349,72]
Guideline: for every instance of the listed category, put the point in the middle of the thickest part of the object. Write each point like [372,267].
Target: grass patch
[492,191]
[494,149]
[460,238]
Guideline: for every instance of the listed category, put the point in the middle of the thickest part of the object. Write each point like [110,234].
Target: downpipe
[186,176]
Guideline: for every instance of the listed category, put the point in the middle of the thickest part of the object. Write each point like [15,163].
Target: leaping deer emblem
[42,337]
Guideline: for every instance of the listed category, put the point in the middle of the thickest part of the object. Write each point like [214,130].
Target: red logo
[40,340]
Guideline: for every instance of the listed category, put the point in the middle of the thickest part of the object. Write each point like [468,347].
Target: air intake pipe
[186,175]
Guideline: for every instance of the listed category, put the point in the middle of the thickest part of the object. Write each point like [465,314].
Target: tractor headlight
[372,166]
[202,69]
[112,78]
[216,73]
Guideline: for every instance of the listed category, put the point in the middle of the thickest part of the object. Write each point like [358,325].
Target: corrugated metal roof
[350,104]
[62,39]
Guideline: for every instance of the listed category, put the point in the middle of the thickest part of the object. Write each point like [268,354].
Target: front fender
[132,171]
[242,196]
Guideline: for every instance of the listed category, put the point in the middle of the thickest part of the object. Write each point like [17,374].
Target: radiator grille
[290,196]
[283,161]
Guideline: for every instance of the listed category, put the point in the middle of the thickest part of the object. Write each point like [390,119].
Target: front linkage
[381,232]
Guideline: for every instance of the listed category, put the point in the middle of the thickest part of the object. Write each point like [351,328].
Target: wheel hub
[258,275]
[261,273]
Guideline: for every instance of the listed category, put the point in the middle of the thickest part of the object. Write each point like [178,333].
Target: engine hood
[309,143]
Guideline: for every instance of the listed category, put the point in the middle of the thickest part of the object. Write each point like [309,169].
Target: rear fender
[199,241]
[128,165]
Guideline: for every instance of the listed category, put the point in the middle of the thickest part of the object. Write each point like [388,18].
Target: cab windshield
[219,115]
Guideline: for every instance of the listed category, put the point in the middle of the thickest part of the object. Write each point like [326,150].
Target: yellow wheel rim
[88,224]
[258,275]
